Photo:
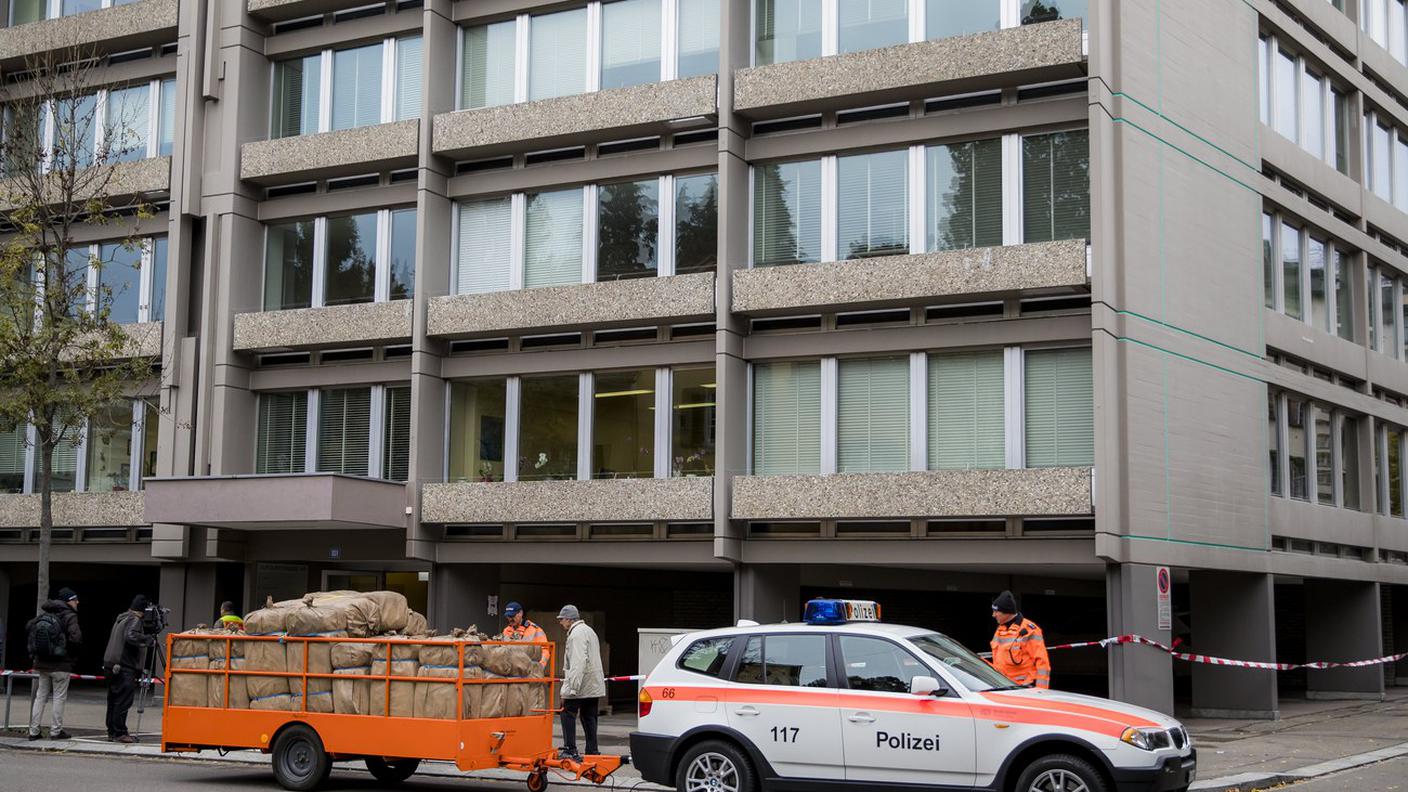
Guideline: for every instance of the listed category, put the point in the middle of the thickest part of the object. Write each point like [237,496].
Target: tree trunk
[46,518]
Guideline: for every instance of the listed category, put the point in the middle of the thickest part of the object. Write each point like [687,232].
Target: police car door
[891,735]
[783,702]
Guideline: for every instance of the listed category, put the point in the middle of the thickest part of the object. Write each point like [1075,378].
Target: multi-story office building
[687,310]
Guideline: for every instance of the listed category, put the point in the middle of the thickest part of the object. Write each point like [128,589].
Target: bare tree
[64,356]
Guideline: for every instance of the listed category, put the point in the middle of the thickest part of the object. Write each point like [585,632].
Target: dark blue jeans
[572,709]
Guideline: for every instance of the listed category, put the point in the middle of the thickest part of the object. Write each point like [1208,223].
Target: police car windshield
[971,670]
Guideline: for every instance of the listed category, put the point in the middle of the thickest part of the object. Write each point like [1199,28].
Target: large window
[363,431]
[114,446]
[597,46]
[967,411]
[1300,102]
[130,279]
[963,207]
[282,433]
[1387,24]
[872,214]
[137,121]
[692,411]
[396,433]
[1060,418]
[340,260]
[14,451]
[477,420]
[623,427]
[1056,186]
[1386,159]
[787,213]
[627,221]
[872,415]
[344,430]
[871,24]
[23,11]
[347,88]
[547,428]
[1307,275]
[787,418]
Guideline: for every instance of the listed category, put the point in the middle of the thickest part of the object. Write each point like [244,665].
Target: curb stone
[1247,782]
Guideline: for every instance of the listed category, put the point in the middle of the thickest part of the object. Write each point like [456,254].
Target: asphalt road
[1381,777]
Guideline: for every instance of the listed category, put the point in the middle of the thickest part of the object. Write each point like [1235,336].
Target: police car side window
[873,664]
[787,660]
[707,656]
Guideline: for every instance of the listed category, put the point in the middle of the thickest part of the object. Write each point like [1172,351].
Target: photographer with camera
[124,662]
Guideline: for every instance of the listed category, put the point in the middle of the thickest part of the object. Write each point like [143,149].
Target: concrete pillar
[5,626]
[1342,622]
[1398,612]
[189,591]
[1140,675]
[1233,616]
[459,596]
[768,593]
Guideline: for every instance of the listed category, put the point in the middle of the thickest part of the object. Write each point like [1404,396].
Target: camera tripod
[155,660]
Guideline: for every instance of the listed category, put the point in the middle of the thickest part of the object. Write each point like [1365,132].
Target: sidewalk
[1312,739]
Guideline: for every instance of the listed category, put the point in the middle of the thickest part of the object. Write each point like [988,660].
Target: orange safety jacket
[527,631]
[1019,652]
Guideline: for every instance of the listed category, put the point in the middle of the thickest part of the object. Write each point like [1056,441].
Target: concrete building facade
[687,310]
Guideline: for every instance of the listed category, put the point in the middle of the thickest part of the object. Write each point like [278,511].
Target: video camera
[155,619]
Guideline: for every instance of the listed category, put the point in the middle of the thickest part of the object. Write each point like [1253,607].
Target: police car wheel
[1060,773]
[714,766]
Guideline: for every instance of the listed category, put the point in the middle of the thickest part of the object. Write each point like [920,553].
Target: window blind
[166,117]
[944,18]
[344,430]
[396,444]
[1284,87]
[1290,262]
[1056,186]
[23,11]
[630,43]
[1400,173]
[967,407]
[868,24]
[553,252]
[872,215]
[557,54]
[698,39]
[486,77]
[964,195]
[297,90]
[484,246]
[787,30]
[1313,110]
[64,467]
[408,77]
[356,87]
[872,412]
[12,459]
[282,433]
[126,124]
[787,418]
[1060,420]
[288,266]
[787,213]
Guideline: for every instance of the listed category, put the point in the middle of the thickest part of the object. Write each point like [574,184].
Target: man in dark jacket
[123,661]
[54,664]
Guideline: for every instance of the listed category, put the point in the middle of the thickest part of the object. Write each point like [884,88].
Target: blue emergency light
[822,611]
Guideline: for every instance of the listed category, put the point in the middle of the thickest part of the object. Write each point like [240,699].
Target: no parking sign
[1163,590]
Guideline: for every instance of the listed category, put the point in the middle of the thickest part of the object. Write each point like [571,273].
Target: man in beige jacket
[583,682]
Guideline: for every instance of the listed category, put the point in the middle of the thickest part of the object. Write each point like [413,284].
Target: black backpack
[47,640]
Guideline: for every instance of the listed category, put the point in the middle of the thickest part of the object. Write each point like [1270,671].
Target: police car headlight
[1146,739]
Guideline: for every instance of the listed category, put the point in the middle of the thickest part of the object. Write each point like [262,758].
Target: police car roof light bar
[824,611]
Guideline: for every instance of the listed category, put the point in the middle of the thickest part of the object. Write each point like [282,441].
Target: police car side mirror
[926,686]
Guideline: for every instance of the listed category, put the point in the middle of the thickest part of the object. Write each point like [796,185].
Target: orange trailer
[304,744]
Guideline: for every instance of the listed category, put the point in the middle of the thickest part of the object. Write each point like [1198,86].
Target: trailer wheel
[391,772]
[300,763]
[538,780]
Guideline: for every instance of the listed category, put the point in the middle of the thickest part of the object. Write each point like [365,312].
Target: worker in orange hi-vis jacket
[519,628]
[1018,648]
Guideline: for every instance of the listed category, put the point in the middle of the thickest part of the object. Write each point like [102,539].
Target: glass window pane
[1388,314]
[698,37]
[63,463]
[1273,438]
[1395,472]
[1312,107]
[297,95]
[75,131]
[787,30]
[356,87]
[351,269]
[1060,420]
[693,414]
[156,311]
[403,254]
[878,665]
[344,430]
[1056,186]
[547,443]
[1382,176]
[24,137]
[787,418]
[76,263]
[1034,11]
[1370,304]
[1349,462]
[871,24]
[487,73]
[1344,309]
[110,449]
[1324,457]
[120,282]
[1290,272]
[944,18]
[696,223]
[1284,76]
[408,77]
[1315,261]
[630,43]
[964,195]
[872,214]
[1400,173]
[784,660]
[151,431]
[166,119]
[557,54]
[282,433]
[477,430]
[623,424]
[872,415]
[1396,31]
[23,11]
[707,657]
[1263,53]
[1339,131]
[628,221]
[482,263]
[787,213]
[126,125]
[553,253]
[79,6]
[13,448]
[1268,260]
[1296,445]
[288,266]
[396,440]
[967,409]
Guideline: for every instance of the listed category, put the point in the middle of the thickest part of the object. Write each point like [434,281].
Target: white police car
[845,702]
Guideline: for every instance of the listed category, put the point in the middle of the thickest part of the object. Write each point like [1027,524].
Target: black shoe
[33,737]
[60,735]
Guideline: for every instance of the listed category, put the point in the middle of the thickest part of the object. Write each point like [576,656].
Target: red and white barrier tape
[635,678]
[85,677]
[1222,661]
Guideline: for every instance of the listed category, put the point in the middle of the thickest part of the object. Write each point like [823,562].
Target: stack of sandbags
[190,651]
[405,662]
[268,692]
[440,659]
[511,661]
[314,621]
[352,697]
[239,684]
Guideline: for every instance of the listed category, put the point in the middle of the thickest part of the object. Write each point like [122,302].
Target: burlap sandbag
[314,622]
[239,684]
[360,616]
[415,624]
[405,662]
[493,702]
[276,701]
[512,660]
[267,656]
[187,651]
[436,699]
[351,697]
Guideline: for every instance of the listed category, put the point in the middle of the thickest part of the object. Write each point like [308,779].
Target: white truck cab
[843,701]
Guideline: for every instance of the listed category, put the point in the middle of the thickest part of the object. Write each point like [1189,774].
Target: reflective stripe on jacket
[527,631]
[1019,652]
